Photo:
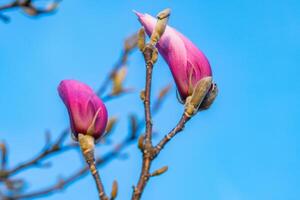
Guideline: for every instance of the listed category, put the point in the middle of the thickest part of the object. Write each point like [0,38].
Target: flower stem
[87,146]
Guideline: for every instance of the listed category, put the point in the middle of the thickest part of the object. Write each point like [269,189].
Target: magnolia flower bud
[141,39]
[187,63]
[88,114]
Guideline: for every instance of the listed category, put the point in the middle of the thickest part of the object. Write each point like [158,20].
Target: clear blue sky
[246,147]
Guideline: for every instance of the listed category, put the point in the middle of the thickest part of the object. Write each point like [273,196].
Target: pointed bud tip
[138,14]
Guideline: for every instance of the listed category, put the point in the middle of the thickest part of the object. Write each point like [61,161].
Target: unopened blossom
[87,113]
[186,62]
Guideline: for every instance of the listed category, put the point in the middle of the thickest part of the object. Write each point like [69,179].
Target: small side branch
[178,128]
[49,149]
[28,7]
[87,146]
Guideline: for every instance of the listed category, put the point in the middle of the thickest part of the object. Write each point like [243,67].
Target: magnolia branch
[178,128]
[150,56]
[49,149]
[64,183]
[199,97]
[147,147]
[136,127]
[58,146]
[149,151]
[129,45]
[28,7]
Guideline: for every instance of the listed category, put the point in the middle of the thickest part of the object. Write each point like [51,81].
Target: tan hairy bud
[141,39]
[142,95]
[118,79]
[160,171]
[110,124]
[160,27]
[114,191]
[199,92]
[209,98]
[141,142]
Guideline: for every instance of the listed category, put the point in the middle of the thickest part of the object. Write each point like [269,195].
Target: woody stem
[86,143]
[148,148]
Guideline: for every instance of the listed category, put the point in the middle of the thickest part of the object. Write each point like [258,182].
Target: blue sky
[244,148]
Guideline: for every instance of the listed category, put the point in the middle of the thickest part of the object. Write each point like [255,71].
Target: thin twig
[56,147]
[129,45]
[150,152]
[147,149]
[28,7]
[150,56]
[64,183]
[178,128]
[87,147]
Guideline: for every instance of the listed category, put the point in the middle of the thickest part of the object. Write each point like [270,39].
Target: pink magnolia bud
[88,114]
[187,63]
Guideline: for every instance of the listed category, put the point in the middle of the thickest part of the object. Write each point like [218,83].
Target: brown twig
[178,128]
[129,45]
[49,149]
[150,152]
[162,94]
[154,152]
[145,143]
[147,161]
[28,7]
[147,148]
[64,183]
[87,147]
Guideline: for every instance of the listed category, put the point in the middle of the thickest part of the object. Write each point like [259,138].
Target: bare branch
[150,56]
[62,184]
[29,8]
[179,127]
[57,147]
[129,45]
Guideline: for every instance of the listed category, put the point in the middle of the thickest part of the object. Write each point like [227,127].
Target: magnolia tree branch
[28,7]
[129,45]
[101,161]
[48,150]
[57,147]
[148,120]
[71,179]
[150,56]
[149,151]
[199,99]
[178,128]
